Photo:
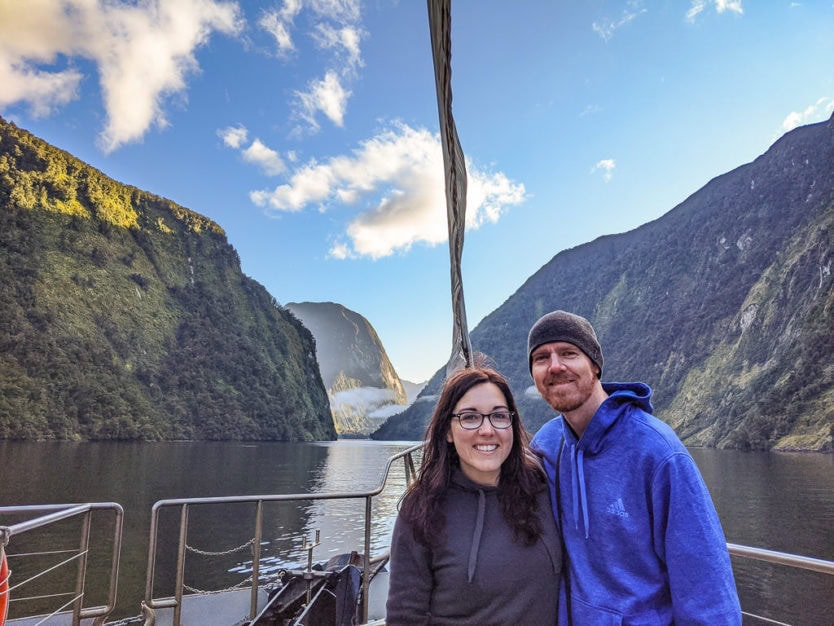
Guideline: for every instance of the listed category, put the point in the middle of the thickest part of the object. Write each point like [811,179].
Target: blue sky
[308,128]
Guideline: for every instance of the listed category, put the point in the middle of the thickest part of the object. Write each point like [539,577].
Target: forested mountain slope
[126,316]
[725,306]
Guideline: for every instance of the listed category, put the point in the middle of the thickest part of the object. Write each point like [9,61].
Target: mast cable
[440,27]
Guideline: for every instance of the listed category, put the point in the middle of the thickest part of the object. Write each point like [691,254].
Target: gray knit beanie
[564,326]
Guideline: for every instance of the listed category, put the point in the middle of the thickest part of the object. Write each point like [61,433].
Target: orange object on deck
[4,586]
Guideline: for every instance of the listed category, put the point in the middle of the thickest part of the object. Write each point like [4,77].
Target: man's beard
[571,398]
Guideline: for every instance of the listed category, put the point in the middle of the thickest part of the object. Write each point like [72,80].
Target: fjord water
[771,500]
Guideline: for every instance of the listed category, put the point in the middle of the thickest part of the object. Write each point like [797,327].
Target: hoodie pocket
[585,614]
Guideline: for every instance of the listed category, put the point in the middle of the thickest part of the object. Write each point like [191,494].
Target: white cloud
[399,173]
[257,153]
[820,110]
[387,411]
[607,28]
[326,96]
[44,91]
[696,8]
[729,5]
[337,30]
[721,6]
[278,23]
[363,398]
[340,251]
[143,53]
[30,38]
[341,11]
[233,136]
[265,158]
[345,40]
[606,166]
[590,109]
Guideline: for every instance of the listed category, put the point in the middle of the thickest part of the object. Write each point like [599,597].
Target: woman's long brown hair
[521,475]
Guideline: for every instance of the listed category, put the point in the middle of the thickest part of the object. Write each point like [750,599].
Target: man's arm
[689,538]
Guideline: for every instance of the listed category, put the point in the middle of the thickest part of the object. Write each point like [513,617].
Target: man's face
[564,375]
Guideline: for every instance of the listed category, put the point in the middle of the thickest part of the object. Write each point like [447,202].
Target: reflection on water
[350,466]
[342,521]
[777,501]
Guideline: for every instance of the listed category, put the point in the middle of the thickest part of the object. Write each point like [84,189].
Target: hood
[621,396]
[460,481]
[556,437]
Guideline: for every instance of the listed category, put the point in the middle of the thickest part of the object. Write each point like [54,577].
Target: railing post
[82,568]
[410,473]
[150,570]
[181,564]
[256,558]
[366,570]
[115,559]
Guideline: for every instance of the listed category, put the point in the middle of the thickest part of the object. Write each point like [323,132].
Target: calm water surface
[777,501]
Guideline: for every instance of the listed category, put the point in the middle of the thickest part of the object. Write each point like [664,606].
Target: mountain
[126,316]
[724,305]
[363,386]
[412,390]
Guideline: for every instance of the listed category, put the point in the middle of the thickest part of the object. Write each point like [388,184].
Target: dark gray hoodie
[480,575]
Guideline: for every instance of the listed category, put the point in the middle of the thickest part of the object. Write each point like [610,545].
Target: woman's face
[481,451]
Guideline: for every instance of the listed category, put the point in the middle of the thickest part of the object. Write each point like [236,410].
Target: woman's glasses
[469,420]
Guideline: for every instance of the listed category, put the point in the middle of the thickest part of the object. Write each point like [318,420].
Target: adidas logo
[617,508]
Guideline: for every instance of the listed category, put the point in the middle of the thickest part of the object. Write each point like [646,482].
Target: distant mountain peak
[363,386]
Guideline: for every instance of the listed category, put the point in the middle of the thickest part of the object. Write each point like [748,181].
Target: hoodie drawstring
[573,486]
[476,536]
[578,488]
[581,467]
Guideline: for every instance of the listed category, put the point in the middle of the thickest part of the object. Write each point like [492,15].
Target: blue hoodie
[644,544]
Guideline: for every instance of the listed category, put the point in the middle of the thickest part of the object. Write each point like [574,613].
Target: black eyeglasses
[469,420]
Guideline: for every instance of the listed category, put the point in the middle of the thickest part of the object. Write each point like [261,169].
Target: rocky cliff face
[362,384]
[725,306]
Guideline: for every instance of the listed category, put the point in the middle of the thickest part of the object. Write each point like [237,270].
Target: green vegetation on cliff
[125,316]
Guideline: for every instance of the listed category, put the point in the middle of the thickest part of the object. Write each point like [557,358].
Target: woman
[475,541]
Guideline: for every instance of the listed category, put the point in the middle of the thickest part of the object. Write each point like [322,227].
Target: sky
[308,129]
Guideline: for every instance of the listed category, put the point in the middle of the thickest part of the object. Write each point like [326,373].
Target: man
[642,539]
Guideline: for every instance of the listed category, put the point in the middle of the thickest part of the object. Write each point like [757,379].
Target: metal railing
[176,601]
[780,558]
[46,515]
